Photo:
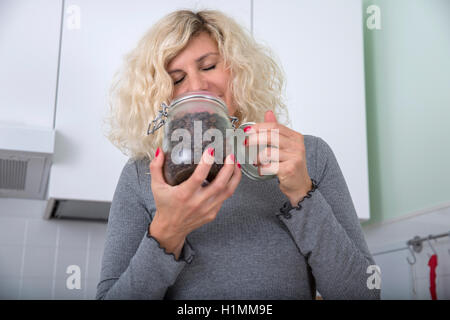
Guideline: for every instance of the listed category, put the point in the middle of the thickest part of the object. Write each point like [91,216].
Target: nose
[197,82]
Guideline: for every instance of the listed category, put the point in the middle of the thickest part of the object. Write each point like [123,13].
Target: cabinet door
[29,46]
[320,46]
[96,35]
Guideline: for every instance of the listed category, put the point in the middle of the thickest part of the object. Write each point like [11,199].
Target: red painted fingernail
[247,128]
[211,152]
[157,152]
[239,165]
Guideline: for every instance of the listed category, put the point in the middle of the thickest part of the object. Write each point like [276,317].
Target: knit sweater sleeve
[327,232]
[134,266]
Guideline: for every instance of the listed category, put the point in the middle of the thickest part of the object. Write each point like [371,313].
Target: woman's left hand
[286,157]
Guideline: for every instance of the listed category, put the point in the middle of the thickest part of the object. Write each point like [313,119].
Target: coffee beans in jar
[194,122]
[180,162]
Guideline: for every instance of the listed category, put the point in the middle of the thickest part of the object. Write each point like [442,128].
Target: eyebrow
[197,60]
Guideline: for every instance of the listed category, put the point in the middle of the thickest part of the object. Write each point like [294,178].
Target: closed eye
[204,69]
[210,68]
[178,81]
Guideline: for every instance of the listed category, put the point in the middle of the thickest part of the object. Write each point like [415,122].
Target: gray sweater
[250,251]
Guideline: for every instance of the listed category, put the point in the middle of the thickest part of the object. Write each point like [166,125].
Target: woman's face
[199,67]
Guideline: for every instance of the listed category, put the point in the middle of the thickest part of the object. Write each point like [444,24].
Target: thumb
[270,117]
[156,167]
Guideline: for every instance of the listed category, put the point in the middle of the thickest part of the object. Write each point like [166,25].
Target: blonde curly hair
[143,83]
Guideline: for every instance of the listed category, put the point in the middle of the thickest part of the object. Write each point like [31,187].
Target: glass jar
[193,122]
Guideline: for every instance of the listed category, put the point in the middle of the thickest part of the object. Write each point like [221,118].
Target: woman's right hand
[183,208]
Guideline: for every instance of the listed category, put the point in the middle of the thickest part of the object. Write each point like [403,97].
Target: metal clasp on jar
[162,117]
[233,121]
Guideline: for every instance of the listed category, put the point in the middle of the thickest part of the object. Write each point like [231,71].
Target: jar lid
[248,168]
[201,95]
[160,119]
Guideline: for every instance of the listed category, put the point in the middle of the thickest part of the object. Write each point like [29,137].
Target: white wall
[320,47]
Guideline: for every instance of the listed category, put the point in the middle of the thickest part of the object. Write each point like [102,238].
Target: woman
[236,238]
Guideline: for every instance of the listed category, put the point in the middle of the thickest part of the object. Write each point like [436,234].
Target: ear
[270,117]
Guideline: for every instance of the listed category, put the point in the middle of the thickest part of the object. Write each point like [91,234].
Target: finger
[201,171]
[283,130]
[273,155]
[269,169]
[272,161]
[269,116]
[222,177]
[284,167]
[156,168]
[231,186]
[268,138]
[234,182]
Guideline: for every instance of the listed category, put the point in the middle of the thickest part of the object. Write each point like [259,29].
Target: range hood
[77,209]
[25,158]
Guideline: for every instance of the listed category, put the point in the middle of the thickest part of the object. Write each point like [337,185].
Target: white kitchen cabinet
[29,46]
[320,46]
[96,35]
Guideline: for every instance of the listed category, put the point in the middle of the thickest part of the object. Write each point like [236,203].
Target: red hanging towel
[432,263]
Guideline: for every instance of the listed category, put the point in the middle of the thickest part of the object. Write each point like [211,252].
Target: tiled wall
[421,272]
[35,253]
[399,279]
